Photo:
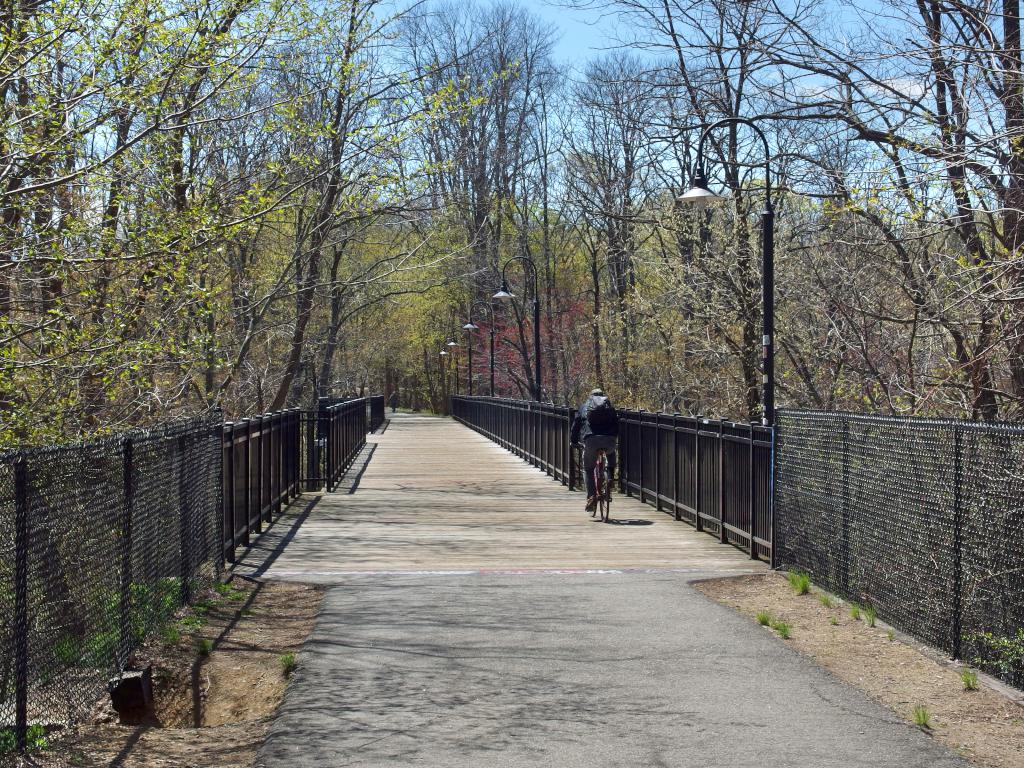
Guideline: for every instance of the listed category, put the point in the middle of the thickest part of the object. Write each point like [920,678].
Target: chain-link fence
[921,519]
[100,543]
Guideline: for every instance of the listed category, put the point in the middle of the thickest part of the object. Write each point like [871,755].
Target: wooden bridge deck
[436,496]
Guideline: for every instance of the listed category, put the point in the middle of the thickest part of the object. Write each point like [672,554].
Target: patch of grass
[35,739]
[191,622]
[855,612]
[222,588]
[869,615]
[970,679]
[204,646]
[287,661]
[891,635]
[782,628]
[201,607]
[237,595]
[834,621]
[247,611]
[922,717]
[825,600]
[764,618]
[171,635]
[66,650]
[1000,655]
[800,582]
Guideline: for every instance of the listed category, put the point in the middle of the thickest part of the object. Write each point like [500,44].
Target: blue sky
[582,33]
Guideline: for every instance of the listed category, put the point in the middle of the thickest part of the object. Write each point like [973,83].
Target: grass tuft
[834,621]
[869,615]
[922,717]
[970,679]
[782,628]
[891,635]
[800,582]
[825,600]
[191,622]
[855,612]
[287,661]
[170,634]
[204,646]
[35,739]
[764,618]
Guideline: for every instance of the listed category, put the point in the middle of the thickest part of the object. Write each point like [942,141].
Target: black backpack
[601,415]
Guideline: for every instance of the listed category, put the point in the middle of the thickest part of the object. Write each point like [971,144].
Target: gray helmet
[597,391]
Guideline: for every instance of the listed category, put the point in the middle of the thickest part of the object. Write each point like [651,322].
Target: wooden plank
[437,496]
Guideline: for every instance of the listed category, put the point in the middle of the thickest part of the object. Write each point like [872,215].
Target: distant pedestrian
[393,401]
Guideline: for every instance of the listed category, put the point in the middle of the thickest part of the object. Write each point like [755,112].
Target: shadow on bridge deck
[429,494]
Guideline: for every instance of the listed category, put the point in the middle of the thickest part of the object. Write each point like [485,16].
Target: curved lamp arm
[481,303]
[701,180]
[529,269]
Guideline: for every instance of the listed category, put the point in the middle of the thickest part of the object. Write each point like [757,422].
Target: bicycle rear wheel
[606,492]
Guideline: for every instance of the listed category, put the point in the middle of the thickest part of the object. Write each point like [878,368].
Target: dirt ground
[213,704]
[985,726]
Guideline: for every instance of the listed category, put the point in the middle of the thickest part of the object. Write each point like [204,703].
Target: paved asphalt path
[565,670]
[475,617]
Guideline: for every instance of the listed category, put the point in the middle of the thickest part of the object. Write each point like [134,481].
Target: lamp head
[470,326]
[444,353]
[503,293]
[699,195]
[451,344]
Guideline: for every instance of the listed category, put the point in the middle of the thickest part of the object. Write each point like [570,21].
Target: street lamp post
[700,195]
[452,345]
[469,327]
[503,294]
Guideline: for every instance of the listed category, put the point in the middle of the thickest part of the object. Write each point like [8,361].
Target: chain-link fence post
[844,540]
[184,522]
[958,535]
[128,464]
[21,544]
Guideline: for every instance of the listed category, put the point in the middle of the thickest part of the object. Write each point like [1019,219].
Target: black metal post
[768,315]
[767,263]
[492,358]
[184,524]
[469,373]
[128,464]
[536,339]
[530,270]
[958,545]
[21,545]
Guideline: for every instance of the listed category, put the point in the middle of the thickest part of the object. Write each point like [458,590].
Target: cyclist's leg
[613,458]
[590,449]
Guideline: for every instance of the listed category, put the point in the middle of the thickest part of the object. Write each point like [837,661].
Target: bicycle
[602,488]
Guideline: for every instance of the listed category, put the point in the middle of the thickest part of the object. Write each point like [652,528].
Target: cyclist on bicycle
[596,426]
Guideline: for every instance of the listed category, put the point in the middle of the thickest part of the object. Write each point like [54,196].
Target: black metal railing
[262,473]
[101,542]
[716,475]
[346,426]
